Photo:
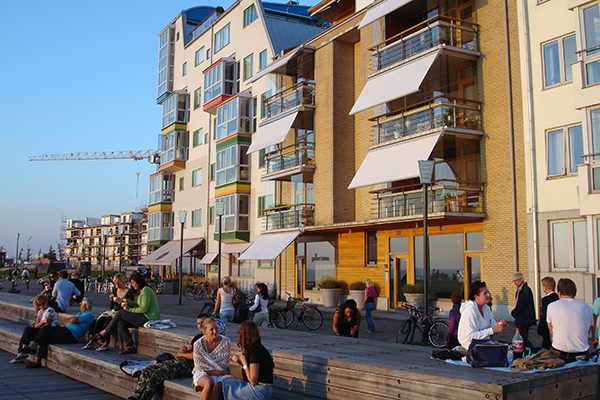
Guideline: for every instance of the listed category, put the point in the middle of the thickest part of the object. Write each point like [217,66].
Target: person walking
[226,301]
[524,311]
[370,295]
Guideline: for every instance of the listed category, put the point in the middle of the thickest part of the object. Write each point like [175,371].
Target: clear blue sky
[77,76]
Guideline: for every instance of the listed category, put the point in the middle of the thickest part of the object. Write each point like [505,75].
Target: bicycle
[276,319]
[309,314]
[434,329]
[200,290]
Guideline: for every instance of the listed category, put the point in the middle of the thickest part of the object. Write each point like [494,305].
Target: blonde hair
[41,297]
[369,283]
[119,278]
[227,281]
[207,321]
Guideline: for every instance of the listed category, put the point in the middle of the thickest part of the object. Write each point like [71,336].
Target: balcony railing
[447,196]
[292,216]
[300,93]
[174,154]
[300,153]
[435,113]
[435,31]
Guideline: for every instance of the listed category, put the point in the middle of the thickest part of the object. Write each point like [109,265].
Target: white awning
[269,246]
[208,258]
[391,85]
[272,133]
[395,162]
[169,252]
[381,9]
[276,65]
[234,247]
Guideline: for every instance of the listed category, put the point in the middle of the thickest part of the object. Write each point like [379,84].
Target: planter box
[171,287]
[359,297]
[331,297]
[415,299]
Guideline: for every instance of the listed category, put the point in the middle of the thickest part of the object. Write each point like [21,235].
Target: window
[265,263]
[250,15]
[222,38]
[371,247]
[211,215]
[184,69]
[236,208]
[320,262]
[232,165]
[569,244]
[173,146]
[206,137]
[261,158]
[591,32]
[262,59]
[199,56]
[212,172]
[181,183]
[197,97]
[264,96]
[165,62]
[197,177]
[219,81]
[564,150]
[558,56]
[248,66]
[197,137]
[261,205]
[174,109]
[234,117]
[177,36]
[196,218]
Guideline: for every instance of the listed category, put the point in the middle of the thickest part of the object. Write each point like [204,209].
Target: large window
[160,226]
[250,15]
[591,31]
[165,62]
[236,209]
[232,165]
[222,38]
[174,109]
[446,262]
[219,80]
[196,218]
[564,150]
[558,56]
[234,116]
[569,244]
[595,133]
[160,188]
[320,262]
[371,247]
[248,66]
[197,177]
[174,147]
[199,56]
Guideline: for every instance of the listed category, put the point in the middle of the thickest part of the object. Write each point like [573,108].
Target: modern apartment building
[207,58]
[560,75]
[355,109]
[115,241]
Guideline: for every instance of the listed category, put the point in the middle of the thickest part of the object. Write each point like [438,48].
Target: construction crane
[153,156]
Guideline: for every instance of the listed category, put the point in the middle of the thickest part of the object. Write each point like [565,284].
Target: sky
[77,76]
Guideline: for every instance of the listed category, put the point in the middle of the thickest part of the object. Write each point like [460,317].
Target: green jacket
[146,304]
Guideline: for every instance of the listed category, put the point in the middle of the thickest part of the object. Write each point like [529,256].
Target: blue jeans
[369,317]
[226,315]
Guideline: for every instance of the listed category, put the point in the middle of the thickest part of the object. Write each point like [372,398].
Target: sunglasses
[42,303]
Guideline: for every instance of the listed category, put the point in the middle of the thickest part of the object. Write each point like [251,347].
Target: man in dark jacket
[548,286]
[524,311]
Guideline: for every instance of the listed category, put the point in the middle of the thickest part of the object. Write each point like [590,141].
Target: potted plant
[331,290]
[171,286]
[414,295]
[357,291]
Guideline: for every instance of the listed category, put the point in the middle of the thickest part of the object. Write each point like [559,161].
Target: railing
[300,93]
[435,113]
[292,216]
[422,37]
[202,27]
[448,196]
[299,153]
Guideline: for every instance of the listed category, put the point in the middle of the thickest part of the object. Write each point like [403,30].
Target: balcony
[447,197]
[282,163]
[437,31]
[293,216]
[301,94]
[436,113]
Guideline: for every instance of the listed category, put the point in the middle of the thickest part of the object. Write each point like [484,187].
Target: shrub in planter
[360,285]
[412,289]
[330,283]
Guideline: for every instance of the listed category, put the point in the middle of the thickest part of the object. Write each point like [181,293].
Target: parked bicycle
[309,314]
[276,319]
[200,290]
[434,329]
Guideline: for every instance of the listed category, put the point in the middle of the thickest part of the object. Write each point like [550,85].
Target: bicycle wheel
[437,334]
[189,293]
[312,318]
[199,294]
[405,333]
[276,319]
[208,308]
[288,316]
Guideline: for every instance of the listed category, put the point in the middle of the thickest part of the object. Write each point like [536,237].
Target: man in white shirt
[569,321]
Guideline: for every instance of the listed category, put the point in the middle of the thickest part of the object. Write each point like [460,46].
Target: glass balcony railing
[300,153]
[293,216]
[435,113]
[447,196]
[300,93]
[419,38]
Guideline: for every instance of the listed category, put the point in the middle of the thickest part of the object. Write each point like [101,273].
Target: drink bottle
[517,345]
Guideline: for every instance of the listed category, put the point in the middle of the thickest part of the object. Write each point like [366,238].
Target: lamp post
[102,268]
[14,280]
[182,216]
[121,247]
[425,172]
[220,206]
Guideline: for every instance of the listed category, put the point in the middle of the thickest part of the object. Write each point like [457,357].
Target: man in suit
[548,286]
[524,311]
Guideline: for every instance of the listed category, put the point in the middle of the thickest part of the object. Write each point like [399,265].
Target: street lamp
[220,205]
[182,216]
[102,267]
[425,172]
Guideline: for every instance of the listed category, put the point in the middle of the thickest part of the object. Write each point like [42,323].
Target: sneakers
[103,348]
[16,361]
[368,331]
[89,346]
[21,356]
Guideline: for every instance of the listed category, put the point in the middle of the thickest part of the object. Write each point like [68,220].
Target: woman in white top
[46,316]
[261,302]
[226,300]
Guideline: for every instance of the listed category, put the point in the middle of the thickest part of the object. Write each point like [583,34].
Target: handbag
[235,299]
[487,353]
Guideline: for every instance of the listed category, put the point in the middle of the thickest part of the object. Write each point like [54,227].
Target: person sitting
[346,320]
[47,290]
[62,292]
[257,368]
[211,359]
[476,320]
[569,322]
[79,285]
[548,286]
[75,327]
[119,293]
[133,314]
[260,306]
[454,316]
[46,316]
[153,376]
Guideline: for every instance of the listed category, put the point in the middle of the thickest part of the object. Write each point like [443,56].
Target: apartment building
[355,109]
[560,75]
[115,241]
[207,58]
